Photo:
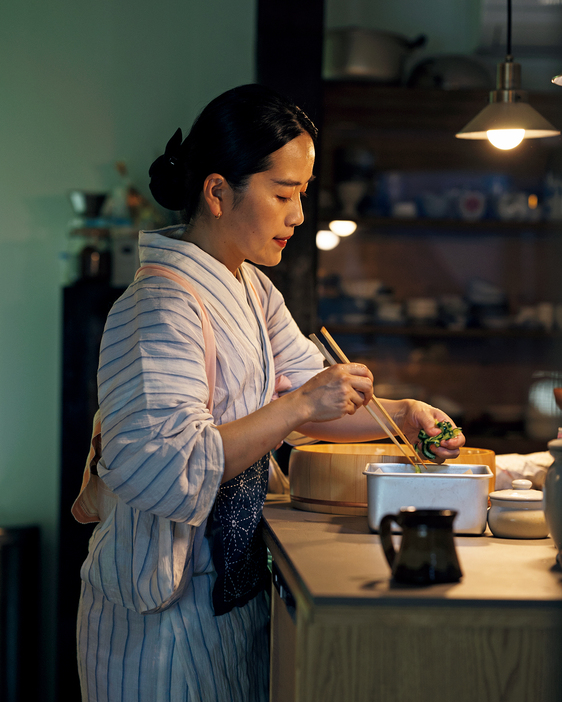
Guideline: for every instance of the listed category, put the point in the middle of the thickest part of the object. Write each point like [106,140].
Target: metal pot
[87,204]
[367,54]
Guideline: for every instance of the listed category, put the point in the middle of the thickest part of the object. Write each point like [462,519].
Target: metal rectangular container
[391,486]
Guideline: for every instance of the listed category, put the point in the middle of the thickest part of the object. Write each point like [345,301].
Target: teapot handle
[386,538]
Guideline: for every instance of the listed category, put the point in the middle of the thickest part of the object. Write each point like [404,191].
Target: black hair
[234,136]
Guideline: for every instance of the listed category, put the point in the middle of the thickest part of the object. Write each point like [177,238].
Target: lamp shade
[508,115]
[557,80]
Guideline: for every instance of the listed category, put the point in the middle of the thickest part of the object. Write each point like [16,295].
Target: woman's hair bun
[167,176]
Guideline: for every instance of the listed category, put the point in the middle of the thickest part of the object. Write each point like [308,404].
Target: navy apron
[239,553]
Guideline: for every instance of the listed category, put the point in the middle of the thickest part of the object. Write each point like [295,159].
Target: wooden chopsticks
[343,358]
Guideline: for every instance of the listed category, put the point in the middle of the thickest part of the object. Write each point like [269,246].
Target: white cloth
[163,461]
[530,466]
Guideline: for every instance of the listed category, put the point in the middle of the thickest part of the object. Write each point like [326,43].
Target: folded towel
[515,466]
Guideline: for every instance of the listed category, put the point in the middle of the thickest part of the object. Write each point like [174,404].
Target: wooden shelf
[371,106]
[507,444]
[367,224]
[91,232]
[414,129]
[390,330]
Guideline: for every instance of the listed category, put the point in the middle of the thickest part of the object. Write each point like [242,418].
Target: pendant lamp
[508,118]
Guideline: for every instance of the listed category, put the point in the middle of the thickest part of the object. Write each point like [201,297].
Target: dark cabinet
[20,577]
[85,308]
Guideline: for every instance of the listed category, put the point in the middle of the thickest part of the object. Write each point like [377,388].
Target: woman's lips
[282,242]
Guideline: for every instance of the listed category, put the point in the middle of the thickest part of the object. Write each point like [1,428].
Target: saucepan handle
[386,538]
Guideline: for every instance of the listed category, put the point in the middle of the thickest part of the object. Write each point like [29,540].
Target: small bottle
[95,260]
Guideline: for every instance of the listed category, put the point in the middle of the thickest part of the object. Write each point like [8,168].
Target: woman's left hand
[416,415]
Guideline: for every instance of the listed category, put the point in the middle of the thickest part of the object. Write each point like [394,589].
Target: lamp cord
[509,56]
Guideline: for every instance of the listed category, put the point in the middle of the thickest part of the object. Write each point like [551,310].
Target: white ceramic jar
[552,491]
[517,513]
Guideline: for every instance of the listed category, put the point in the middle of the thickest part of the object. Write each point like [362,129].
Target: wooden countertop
[337,560]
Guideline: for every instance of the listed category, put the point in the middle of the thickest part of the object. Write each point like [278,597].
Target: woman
[173,604]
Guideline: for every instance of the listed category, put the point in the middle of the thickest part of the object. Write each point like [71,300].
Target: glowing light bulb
[505,138]
[343,227]
[326,240]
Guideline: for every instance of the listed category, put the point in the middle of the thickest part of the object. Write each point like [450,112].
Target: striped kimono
[146,627]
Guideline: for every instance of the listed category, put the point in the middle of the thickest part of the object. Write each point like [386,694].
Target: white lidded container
[517,513]
[462,487]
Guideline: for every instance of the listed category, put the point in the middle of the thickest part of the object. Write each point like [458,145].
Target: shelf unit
[375,225]
[413,130]
[442,332]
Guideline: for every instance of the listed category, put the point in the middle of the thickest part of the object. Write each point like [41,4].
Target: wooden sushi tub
[329,478]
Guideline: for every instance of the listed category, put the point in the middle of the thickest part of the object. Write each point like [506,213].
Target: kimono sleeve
[161,450]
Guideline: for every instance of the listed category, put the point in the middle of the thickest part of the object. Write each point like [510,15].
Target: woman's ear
[215,188]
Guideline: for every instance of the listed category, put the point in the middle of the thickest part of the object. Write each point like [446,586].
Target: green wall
[82,84]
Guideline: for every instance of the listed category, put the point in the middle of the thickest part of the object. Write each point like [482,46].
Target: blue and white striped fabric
[146,629]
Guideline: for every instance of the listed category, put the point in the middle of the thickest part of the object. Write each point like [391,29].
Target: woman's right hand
[335,392]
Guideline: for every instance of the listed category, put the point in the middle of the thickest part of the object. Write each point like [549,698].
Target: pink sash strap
[208,334]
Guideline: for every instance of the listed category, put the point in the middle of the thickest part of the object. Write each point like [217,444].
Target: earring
[218,216]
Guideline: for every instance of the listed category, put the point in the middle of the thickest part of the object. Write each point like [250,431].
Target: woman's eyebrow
[292,183]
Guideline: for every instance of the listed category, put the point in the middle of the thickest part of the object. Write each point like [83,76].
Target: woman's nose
[296,216]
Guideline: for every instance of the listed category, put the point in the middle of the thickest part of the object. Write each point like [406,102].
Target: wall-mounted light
[343,227]
[508,118]
[557,80]
[326,240]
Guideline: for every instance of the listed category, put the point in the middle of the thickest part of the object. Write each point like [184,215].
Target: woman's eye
[288,199]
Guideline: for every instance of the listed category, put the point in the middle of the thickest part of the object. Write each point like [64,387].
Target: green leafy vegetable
[426,441]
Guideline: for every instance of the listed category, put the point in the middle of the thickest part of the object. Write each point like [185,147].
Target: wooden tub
[329,477]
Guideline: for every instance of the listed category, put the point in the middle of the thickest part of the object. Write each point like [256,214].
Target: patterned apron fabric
[239,554]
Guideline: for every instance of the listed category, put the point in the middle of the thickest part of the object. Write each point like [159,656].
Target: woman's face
[259,226]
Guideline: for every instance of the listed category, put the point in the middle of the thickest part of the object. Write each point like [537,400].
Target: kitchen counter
[341,630]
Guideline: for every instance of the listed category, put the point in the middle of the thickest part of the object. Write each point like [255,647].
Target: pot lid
[520,492]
